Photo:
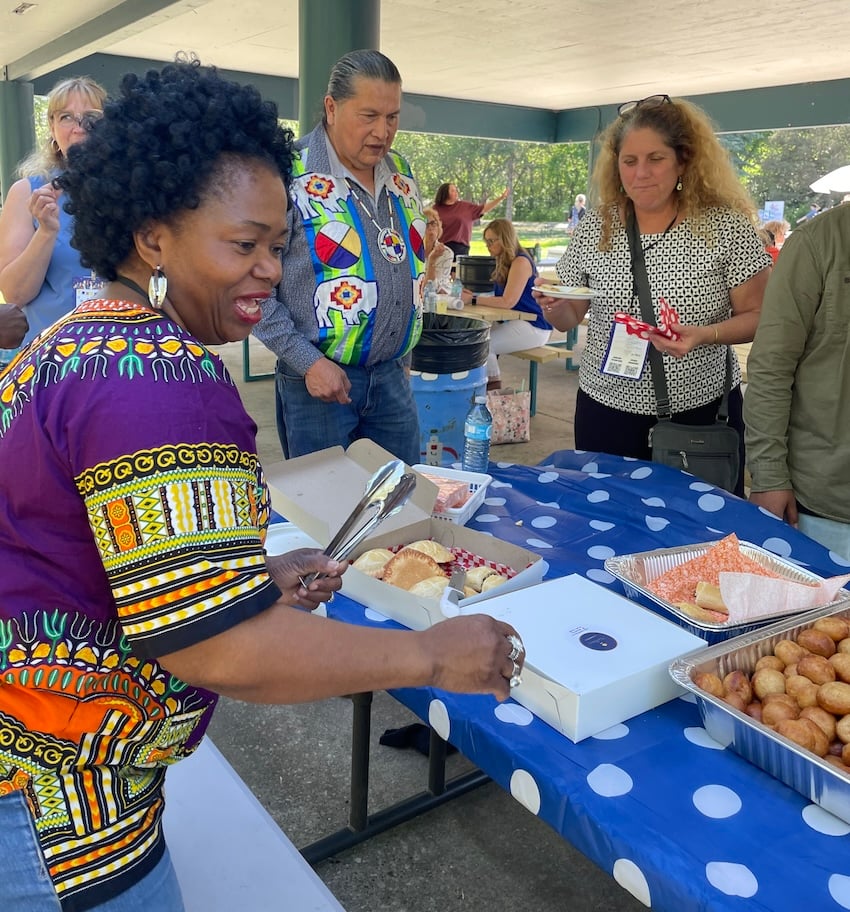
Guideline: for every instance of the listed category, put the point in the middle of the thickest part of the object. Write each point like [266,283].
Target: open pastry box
[318,491]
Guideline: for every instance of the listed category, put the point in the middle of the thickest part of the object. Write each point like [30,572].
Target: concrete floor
[481,851]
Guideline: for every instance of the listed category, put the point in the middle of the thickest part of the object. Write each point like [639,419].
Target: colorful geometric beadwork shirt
[132,516]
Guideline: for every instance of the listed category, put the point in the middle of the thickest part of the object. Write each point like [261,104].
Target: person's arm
[25,251]
[277,330]
[518,276]
[13,326]
[791,301]
[491,204]
[746,300]
[566,313]
[288,656]
[563,313]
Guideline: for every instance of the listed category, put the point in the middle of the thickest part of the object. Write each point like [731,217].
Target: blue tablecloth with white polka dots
[677,820]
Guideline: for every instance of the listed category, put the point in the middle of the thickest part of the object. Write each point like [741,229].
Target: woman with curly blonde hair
[661,166]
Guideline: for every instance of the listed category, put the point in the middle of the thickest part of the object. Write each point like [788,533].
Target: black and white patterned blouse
[694,269]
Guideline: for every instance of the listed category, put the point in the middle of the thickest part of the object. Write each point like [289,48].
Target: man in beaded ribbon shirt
[347,311]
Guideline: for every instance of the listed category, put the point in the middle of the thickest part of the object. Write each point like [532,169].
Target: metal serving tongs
[386,493]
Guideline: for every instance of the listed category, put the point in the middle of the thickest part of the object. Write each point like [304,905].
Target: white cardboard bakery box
[593,658]
[317,492]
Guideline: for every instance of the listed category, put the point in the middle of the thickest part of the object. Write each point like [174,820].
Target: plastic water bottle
[476,437]
[456,292]
[430,297]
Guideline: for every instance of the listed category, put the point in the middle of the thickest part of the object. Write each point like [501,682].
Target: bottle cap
[481,400]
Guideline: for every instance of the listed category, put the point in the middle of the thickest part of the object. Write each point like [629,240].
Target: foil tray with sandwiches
[638,571]
[811,775]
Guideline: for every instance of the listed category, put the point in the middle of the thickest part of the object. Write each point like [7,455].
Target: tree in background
[787,161]
[544,178]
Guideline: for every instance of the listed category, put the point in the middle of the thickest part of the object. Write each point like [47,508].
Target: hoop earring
[679,184]
[157,288]
[55,146]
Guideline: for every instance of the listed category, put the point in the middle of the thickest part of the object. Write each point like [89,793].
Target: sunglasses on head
[649,101]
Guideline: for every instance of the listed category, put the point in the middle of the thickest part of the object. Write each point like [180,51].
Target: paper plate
[566,291]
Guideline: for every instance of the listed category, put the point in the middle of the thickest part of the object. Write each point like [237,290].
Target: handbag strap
[640,288]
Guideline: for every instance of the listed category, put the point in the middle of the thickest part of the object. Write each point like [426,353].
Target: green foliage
[785,162]
[544,178]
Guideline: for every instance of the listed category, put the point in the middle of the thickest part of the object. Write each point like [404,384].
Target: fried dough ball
[841,663]
[736,700]
[789,651]
[768,680]
[710,683]
[803,690]
[738,682]
[805,733]
[816,668]
[834,697]
[816,641]
[836,628]
[842,729]
[770,661]
[824,720]
[777,711]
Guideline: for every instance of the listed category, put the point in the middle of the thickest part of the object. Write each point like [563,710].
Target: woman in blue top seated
[40,271]
[513,279]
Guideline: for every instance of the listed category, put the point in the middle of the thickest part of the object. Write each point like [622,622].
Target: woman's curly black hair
[156,151]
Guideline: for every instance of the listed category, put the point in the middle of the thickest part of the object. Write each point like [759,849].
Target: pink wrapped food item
[451,494]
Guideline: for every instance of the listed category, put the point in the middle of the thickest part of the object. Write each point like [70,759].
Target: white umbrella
[837,181]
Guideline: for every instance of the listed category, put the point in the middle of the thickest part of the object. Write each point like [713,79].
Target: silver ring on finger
[330,598]
[515,679]
[517,647]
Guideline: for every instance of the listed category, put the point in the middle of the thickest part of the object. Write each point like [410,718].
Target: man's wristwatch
[473,299]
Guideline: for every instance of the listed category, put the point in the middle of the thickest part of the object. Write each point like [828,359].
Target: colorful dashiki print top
[132,516]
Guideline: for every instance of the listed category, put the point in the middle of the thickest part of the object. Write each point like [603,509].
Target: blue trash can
[448,370]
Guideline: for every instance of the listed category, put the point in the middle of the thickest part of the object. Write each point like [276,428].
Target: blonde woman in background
[513,280]
[39,270]
[776,230]
[439,259]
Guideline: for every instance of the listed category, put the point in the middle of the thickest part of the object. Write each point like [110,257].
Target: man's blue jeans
[382,409]
[25,885]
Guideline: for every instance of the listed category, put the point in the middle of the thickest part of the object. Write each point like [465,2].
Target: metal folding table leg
[362,825]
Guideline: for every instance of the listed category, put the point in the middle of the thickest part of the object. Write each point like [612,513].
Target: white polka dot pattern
[650,799]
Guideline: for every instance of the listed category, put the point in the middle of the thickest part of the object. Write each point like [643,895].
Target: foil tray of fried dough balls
[738,685]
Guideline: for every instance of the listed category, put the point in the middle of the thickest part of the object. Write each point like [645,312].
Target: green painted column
[327,29]
[17,129]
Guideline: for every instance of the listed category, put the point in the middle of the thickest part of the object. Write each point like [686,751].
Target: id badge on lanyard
[626,354]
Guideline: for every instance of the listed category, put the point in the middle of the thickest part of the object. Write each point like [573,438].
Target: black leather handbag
[709,451]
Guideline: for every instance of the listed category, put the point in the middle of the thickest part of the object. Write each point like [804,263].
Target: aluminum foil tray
[798,768]
[636,571]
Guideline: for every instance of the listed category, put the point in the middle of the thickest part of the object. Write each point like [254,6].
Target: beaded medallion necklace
[390,242]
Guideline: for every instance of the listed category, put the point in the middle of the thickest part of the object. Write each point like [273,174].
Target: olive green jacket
[797,402]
